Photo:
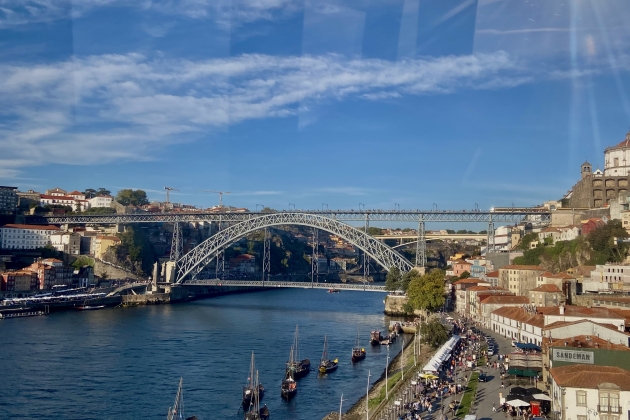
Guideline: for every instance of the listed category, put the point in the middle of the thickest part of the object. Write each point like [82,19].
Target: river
[126,362]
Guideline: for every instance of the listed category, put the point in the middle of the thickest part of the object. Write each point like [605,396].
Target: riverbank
[376,395]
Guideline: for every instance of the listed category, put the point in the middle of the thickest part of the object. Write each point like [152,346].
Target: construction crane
[168,194]
[220,195]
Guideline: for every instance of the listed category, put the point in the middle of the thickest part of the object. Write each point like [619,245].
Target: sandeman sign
[573,356]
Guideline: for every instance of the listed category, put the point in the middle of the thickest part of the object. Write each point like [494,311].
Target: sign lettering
[574,356]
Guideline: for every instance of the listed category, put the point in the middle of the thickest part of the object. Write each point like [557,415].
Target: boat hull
[288,394]
[300,369]
[328,366]
[247,396]
[357,356]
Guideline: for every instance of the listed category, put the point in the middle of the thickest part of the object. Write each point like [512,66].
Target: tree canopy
[426,292]
[392,281]
[132,197]
[374,231]
[434,333]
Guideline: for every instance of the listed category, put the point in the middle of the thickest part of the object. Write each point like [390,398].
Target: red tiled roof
[31,227]
[75,193]
[560,324]
[519,314]
[547,288]
[56,197]
[584,341]
[504,300]
[590,376]
[469,280]
[572,310]
[493,274]
[564,276]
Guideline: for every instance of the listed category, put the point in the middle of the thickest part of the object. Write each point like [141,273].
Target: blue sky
[453,102]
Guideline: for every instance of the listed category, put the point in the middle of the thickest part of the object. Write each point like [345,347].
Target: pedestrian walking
[502,385]
[493,407]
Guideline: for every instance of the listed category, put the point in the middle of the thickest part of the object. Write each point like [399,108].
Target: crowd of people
[438,395]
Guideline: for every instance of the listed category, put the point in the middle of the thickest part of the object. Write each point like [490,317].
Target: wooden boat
[299,368]
[333,290]
[288,388]
[250,389]
[358,352]
[375,338]
[326,365]
[86,307]
[255,411]
[177,410]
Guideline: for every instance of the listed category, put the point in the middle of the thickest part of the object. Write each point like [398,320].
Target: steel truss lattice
[203,253]
[421,246]
[536,216]
[177,243]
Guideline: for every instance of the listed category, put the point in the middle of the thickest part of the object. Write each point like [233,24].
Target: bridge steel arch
[202,254]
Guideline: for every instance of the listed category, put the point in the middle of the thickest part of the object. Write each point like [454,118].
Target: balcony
[609,409]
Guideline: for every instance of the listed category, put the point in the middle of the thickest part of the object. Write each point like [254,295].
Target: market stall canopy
[518,403]
[527,346]
[541,397]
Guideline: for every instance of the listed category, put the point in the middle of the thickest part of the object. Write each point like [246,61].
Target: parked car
[483,377]
[490,352]
[514,343]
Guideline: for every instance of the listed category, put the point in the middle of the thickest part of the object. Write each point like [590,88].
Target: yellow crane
[220,195]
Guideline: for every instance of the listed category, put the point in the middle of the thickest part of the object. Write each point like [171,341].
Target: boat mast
[252,370]
[178,406]
[256,397]
[296,344]
[325,352]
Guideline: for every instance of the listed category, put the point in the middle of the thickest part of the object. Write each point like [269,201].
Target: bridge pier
[177,242]
[421,246]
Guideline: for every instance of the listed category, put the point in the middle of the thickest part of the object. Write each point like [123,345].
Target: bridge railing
[285,284]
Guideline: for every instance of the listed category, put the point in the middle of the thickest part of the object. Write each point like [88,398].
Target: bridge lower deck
[365,287]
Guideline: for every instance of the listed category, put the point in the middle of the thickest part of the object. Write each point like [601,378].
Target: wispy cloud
[121,107]
[519,31]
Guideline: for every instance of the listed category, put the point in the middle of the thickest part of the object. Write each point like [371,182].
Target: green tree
[450,231]
[89,193]
[427,292]
[374,231]
[392,281]
[103,191]
[527,240]
[464,275]
[434,333]
[462,231]
[407,278]
[132,197]
[483,232]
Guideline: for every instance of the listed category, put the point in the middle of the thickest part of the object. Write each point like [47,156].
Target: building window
[616,162]
[581,398]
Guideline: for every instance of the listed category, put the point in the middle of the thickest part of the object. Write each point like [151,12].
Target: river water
[126,363]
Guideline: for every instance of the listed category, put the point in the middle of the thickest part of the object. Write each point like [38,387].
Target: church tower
[587,169]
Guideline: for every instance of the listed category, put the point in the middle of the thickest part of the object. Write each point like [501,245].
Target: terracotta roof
[505,300]
[624,313]
[590,376]
[572,310]
[584,341]
[549,229]
[31,227]
[56,197]
[560,324]
[75,192]
[470,280]
[609,298]
[478,288]
[519,314]
[522,267]
[493,274]
[547,288]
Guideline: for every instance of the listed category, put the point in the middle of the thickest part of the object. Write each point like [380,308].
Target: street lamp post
[386,384]
[361,204]
[396,206]
[402,361]
[291,204]
[260,206]
[367,398]
[434,207]
[324,204]
[340,404]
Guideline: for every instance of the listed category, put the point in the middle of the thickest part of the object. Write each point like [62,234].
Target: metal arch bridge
[197,258]
[515,215]
[365,287]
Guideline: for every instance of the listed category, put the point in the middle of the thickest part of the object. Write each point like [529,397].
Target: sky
[341,104]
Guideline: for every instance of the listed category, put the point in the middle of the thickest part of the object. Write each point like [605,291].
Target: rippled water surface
[126,363]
